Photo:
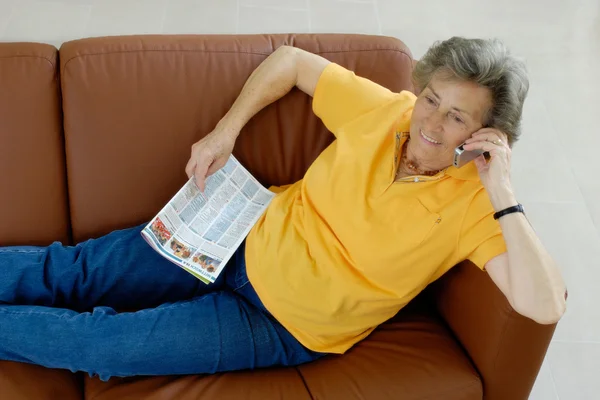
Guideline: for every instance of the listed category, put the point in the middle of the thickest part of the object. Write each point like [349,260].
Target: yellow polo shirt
[345,248]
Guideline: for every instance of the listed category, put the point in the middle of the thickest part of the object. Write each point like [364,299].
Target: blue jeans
[74,307]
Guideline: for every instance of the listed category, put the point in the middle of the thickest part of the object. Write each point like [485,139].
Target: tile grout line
[8,20]
[309,18]
[87,22]
[552,377]
[272,7]
[237,17]
[377,17]
[578,202]
[164,16]
[562,341]
[356,1]
[557,136]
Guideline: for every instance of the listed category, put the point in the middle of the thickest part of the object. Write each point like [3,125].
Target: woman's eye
[430,100]
[456,119]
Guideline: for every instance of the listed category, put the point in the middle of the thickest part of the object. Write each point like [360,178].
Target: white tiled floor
[555,165]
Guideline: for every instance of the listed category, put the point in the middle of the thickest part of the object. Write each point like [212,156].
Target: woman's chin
[437,155]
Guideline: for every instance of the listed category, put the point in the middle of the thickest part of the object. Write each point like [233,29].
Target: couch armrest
[506,348]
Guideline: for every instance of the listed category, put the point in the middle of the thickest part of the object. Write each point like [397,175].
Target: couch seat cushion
[412,356]
[20,381]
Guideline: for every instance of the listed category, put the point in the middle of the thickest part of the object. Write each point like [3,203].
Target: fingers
[198,171]
[480,162]
[214,167]
[482,145]
[490,135]
[199,164]
[200,174]
[189,168]
[209,155]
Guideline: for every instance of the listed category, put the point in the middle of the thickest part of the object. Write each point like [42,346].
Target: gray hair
[487,63]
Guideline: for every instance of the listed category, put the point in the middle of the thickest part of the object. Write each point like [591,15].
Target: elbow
[286,51]
[548,315]
[288,57]
[551,318]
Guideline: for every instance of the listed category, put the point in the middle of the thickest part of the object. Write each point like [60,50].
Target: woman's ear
[416,90]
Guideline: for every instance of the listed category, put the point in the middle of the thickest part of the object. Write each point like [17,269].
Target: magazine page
[201,231]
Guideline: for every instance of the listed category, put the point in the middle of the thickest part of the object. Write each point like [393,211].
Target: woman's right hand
[210,154]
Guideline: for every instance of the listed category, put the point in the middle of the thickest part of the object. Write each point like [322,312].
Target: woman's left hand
[495,173]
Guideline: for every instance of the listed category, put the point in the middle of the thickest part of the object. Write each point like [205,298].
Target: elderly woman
[379,215]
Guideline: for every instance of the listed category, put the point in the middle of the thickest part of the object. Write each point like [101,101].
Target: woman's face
[446,113]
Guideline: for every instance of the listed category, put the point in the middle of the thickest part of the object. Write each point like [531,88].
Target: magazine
[200,232]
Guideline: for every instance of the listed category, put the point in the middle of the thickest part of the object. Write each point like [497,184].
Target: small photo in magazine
[200,232]
[205,262]
[181,250]
[160,231]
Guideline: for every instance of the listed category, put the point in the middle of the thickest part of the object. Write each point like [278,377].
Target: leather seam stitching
[30,56]
[502,339]
[304,383]
[222,52]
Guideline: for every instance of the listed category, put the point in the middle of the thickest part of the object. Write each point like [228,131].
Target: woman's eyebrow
[454,108]
[462,111]
[433,91]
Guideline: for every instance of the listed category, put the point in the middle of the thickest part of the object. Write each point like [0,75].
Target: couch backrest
[133,106]
[33,194]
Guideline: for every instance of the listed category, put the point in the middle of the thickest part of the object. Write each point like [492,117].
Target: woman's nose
[433,122]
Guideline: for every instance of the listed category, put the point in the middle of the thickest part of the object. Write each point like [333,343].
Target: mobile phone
[462,156]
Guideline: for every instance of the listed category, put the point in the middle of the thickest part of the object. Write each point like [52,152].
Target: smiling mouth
[429,139]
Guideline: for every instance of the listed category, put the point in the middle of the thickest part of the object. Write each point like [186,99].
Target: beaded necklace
[412,166]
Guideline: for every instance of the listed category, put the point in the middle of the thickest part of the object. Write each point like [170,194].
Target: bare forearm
[270,81]
[537,289]
[285,68]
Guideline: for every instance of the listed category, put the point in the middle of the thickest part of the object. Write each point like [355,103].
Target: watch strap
[509,210]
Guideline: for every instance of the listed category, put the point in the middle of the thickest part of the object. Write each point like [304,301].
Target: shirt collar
[467,172]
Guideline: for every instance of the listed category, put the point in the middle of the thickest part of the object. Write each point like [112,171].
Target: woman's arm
[285,68]
[526,273]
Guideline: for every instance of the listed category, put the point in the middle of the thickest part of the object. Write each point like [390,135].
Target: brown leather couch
[95,137]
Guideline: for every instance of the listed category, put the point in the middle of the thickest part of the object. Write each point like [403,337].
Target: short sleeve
[481,236]
[341,96]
